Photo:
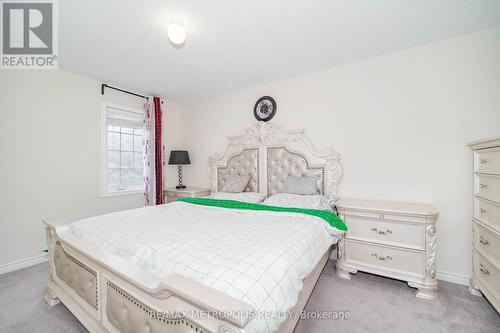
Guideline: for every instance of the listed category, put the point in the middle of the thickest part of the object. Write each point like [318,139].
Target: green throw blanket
[331,218]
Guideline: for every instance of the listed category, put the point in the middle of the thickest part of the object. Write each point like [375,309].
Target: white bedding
[259,257]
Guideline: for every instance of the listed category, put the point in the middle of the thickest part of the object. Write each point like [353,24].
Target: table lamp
[179,157]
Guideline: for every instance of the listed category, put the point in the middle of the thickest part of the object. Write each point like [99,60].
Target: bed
[210,269]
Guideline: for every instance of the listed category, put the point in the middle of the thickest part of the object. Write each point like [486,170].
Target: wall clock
[264,108]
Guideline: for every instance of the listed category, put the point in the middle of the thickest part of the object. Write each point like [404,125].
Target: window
[123,162]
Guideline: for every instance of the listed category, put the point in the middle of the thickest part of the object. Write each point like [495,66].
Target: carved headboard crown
[269,154]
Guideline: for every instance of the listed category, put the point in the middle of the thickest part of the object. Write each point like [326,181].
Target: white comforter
[259,257]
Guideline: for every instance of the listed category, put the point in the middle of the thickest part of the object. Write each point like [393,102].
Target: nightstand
[392,239]
[172,194]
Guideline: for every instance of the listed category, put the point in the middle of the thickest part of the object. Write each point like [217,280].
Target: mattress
[259,257]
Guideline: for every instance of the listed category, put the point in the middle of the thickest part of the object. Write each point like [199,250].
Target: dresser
[172,194]
[486,221]
[392,239]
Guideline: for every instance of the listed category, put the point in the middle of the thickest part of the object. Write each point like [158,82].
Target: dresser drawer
[488,187]
[488,243]
[488,161]
[382,231]
[488,213]
[489,275]
[387,258]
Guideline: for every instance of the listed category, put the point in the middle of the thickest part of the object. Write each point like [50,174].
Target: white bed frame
[107,294]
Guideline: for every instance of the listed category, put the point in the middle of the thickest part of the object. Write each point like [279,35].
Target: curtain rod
[104,85]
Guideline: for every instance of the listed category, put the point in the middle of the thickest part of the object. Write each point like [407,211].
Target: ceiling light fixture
[176,31]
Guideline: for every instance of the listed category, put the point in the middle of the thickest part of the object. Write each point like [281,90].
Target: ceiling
[235,44]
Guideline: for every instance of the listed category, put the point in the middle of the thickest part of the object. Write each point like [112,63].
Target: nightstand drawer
[384,216]
[389,233]
[387,258]
[173,194]
[487,242]
[172,197]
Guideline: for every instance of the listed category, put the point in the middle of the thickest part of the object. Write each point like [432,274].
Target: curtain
[158,151]
[153,152]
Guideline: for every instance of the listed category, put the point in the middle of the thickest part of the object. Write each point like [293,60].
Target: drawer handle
[483,241]
[483,185]
[381,216]
[484,270]
[381,258]
[483,161]
[483,210]
[382,232]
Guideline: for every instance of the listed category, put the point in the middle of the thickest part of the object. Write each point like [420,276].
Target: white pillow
[302,185]
[251,197]
[300,201]
[236,184]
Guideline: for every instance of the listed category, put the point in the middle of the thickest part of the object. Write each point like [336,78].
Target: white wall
[401,123]
[50,144]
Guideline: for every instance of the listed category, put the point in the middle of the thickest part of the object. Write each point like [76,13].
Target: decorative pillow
[236,184]
[251,197]
[300,201]
[302,185]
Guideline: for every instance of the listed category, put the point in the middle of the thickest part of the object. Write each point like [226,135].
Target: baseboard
[23,263]
[453,278]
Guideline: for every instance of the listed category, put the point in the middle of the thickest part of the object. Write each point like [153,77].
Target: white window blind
[123,150]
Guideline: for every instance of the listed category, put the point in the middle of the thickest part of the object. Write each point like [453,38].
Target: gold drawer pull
[381,258]
[483,161]
[483,241]
[483,210]
[483,185]
[382,232]
[484,270]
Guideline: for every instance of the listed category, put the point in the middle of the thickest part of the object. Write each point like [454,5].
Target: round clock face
[264,108]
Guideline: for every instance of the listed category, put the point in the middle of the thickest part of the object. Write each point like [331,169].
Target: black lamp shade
[179,157]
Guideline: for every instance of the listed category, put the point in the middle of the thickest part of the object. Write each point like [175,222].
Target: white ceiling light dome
[176,31]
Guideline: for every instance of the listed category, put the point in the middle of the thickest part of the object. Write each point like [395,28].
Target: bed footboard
[77,275]
[111,296]
[129,315]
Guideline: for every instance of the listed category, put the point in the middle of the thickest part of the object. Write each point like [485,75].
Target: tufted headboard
[269,154]
[245,163]
[282,163]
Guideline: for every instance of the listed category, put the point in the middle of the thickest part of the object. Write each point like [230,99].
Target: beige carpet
[375,304]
